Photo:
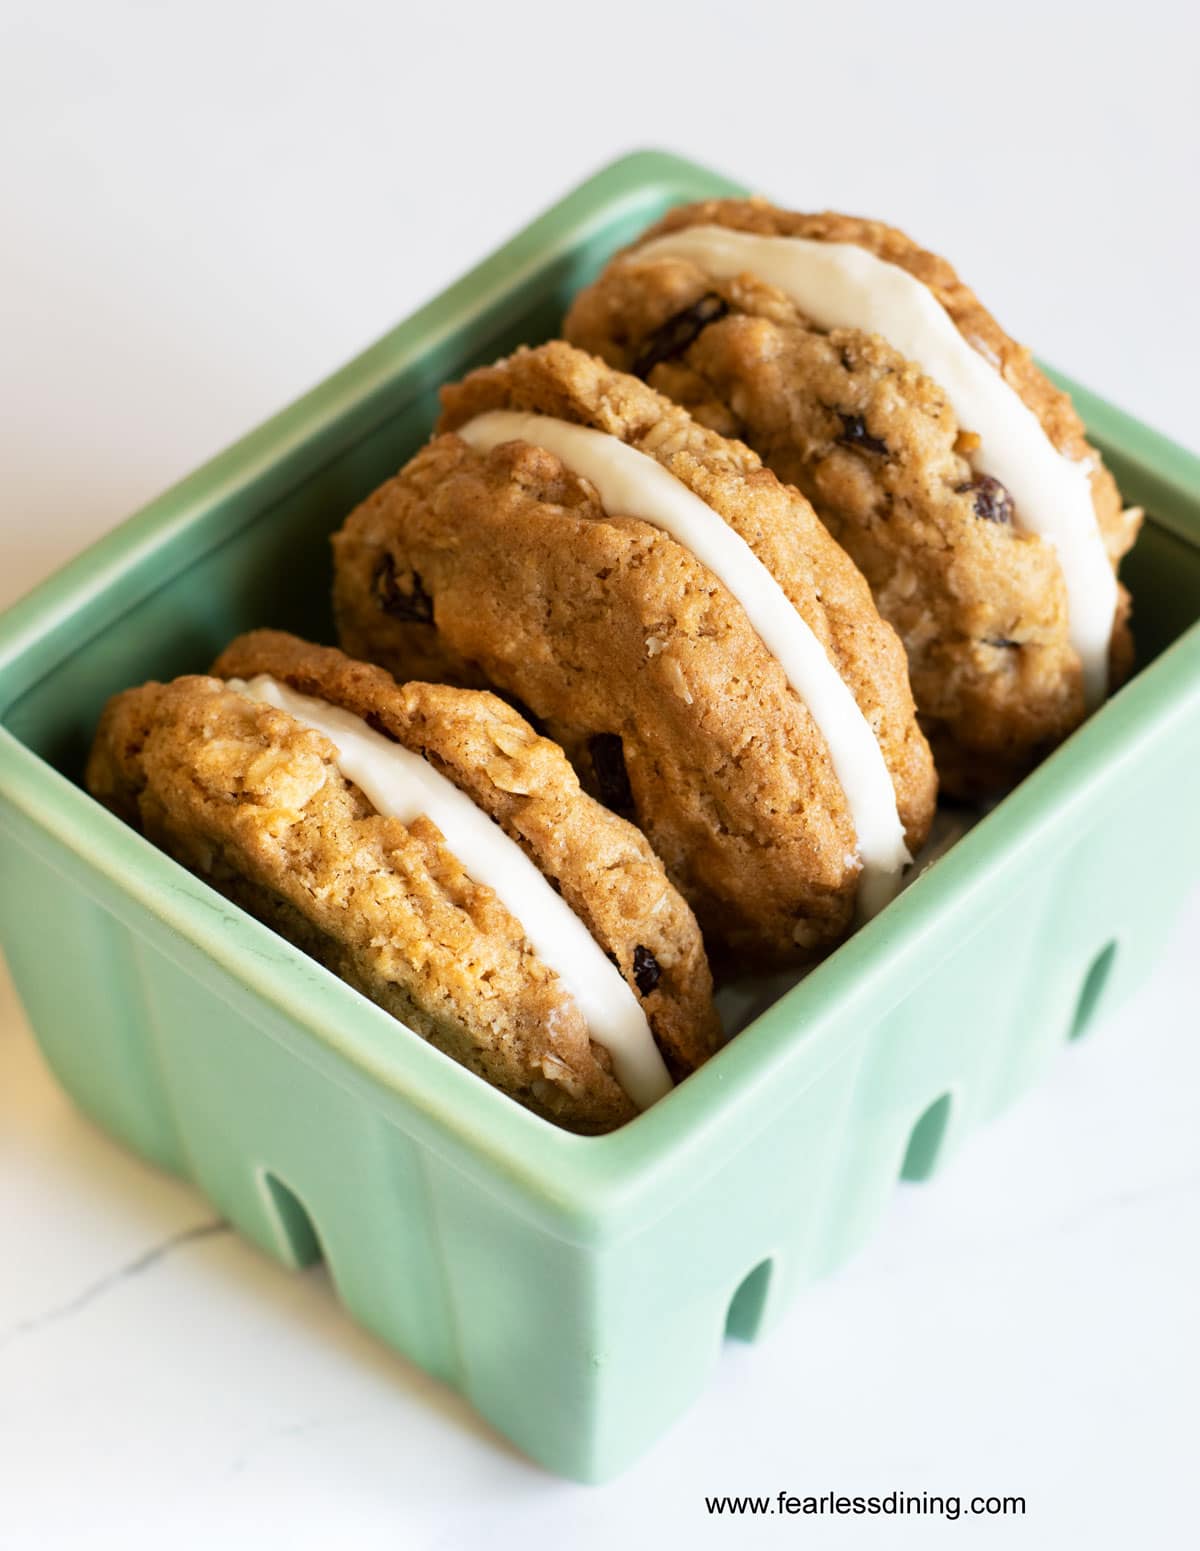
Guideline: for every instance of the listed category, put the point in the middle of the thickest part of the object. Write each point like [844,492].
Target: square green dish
[575,1289]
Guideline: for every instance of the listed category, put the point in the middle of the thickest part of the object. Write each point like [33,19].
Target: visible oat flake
[510,740]
[503,774]
[675,678]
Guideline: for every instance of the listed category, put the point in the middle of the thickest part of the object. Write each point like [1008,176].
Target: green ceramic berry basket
[577,1290]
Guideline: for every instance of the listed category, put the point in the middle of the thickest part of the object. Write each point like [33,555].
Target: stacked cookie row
[630,651]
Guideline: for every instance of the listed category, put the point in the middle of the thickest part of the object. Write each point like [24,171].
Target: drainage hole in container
[294,1227]
[1092,991]
[748,1302]
[925,1141]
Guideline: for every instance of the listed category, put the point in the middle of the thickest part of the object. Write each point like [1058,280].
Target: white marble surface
[205,209]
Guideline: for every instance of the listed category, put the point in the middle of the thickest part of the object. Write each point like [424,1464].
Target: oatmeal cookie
[493,559]
[991,615]
[258,801]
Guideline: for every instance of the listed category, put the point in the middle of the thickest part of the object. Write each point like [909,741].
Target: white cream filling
[840,285]
[633,484]
[402,785]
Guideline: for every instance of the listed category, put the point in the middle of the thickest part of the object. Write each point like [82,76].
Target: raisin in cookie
[429,847]
[956,475]
[680,622]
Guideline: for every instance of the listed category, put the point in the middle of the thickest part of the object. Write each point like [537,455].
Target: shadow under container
[576,1290]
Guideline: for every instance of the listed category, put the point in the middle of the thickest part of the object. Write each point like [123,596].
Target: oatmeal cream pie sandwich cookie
[428,846]
[954,472]
[678,620]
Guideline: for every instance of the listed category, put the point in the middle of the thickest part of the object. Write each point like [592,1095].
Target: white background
[206,208]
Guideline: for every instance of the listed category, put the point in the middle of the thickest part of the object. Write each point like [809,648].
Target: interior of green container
[186,600]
